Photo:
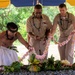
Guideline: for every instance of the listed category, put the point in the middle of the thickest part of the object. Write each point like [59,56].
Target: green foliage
[73,66]
[34,64]
[58,64]
[15,67]
[19,15]
[33,60]
[32,57]
[50,63]
[13,48]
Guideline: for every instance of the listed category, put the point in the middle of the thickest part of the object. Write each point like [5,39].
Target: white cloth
[7,56]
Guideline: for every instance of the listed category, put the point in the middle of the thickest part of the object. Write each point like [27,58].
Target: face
[11,34]
[38,12]
[63,11]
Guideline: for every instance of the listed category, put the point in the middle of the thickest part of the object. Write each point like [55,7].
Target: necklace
[8,36]
[38,28]
[61,24]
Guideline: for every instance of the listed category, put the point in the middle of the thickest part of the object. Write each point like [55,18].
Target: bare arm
[28,38]
[21,39]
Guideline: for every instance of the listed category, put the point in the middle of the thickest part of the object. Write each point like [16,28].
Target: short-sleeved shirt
[36,27]
[65,25]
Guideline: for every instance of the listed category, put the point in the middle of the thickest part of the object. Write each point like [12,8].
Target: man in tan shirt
[38,27]
[66,22]
[7,55]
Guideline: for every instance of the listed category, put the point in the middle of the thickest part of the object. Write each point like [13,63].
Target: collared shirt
[66,24]
[36,27]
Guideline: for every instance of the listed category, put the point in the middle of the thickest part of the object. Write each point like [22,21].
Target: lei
[72,34]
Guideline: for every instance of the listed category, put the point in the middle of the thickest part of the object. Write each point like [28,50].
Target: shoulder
[18,34]
[44,16]
[70,14]
[57,16]
[30,18]
[2,34]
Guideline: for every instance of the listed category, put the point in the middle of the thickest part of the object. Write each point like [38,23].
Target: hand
[37,38]
[31,48]
[50,35]
[44,42]
[73,32]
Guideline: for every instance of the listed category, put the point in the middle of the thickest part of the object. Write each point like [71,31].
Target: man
[38,27]
[66,22]
[8,56]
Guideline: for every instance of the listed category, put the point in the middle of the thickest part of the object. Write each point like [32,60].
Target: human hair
[38,6]
[62,5]
[11,26]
